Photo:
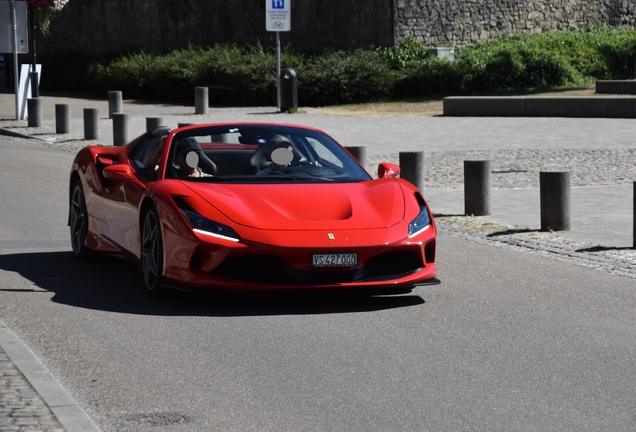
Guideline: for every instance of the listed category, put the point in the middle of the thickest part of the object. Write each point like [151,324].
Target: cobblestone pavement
[21,409]
[513,169]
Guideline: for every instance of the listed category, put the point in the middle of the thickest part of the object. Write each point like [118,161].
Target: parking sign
[278,15]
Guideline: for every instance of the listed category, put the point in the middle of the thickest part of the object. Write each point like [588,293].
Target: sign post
[13,39]
[278,19]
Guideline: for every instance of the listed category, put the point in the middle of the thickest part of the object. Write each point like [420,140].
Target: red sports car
[250,206]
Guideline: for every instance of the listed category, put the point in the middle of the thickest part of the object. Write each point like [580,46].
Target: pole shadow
[604,249]
[513,231]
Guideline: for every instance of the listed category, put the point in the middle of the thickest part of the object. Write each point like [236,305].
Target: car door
[123,198]
[121,208]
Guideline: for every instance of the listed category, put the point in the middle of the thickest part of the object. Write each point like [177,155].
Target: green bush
[427,77]
[247,74]
[408,50]
[344,77]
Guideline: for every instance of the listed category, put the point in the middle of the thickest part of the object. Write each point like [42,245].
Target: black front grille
[270,270]
[393,263]
[253,268]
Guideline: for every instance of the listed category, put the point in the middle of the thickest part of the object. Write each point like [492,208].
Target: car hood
[362,205]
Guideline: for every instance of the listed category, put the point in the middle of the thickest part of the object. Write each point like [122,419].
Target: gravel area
[520,168]
[511,169]
[618,261]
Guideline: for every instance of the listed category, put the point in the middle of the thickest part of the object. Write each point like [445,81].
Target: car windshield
[260,153]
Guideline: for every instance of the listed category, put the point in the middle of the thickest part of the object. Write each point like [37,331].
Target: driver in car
[280,153]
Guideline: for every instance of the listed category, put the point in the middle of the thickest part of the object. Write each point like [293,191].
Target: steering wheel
[305,167]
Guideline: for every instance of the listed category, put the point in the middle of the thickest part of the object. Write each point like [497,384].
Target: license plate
[335,260]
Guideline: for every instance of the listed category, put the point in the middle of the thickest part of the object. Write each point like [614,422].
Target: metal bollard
[412,168]
[200,100]
[62,119]
[34,107]
[153,123]
[120,129]
[114,103]
[91,123]
[360,153]
[477,186]
[555,200]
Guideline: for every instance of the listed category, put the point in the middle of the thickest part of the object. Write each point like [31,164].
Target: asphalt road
[508,341]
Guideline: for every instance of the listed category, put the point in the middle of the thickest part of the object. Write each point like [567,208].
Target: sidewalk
[31,398]
[600,153]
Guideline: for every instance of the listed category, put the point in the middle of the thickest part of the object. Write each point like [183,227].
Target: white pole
[278,70]
[14,32]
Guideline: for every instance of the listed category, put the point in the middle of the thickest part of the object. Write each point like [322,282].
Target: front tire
[152,254]
[78,222]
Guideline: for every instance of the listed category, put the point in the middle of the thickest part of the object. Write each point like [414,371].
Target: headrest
[186,145]
[159,131]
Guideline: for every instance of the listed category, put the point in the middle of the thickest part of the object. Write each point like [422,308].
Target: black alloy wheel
[152,254]
[79,222]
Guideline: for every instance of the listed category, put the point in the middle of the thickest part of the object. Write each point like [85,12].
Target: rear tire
[152,254]
[79,223]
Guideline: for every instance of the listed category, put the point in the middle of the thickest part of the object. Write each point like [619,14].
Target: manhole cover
[155,419]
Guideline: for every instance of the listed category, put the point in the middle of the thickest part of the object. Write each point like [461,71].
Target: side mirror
[388,170]
[117,172]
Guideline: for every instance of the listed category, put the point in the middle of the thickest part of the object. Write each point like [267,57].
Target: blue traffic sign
[277,15]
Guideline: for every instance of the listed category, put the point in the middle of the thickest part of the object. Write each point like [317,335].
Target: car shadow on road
[111,284]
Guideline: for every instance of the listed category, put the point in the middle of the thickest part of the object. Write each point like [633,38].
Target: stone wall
[102,27]
[98,27]
[460,22]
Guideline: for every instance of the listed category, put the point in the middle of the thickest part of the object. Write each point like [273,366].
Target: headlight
[205,226]
[420,223]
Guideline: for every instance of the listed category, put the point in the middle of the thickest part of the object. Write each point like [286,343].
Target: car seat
[258,161]
[206,164]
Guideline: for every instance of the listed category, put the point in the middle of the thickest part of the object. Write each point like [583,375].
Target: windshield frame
[308,166]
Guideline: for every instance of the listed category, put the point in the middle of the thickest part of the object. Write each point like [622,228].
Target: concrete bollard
[477,187]
[412,168]
[91,123]
[200,100]
[555,200]
[360,153]
[180,125]
[115,104]
[62,119]
[120,129]
[153,123]
[34,107]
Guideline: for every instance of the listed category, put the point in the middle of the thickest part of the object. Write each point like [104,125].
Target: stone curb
[70,415]
[616,86]
[521,106]
[8,132]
